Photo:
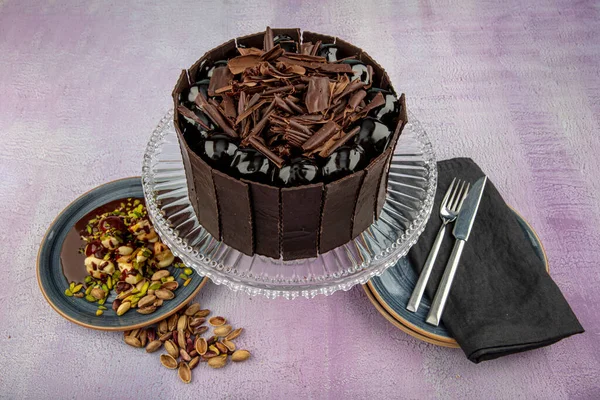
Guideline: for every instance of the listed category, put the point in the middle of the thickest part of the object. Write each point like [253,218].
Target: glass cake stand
[411,188]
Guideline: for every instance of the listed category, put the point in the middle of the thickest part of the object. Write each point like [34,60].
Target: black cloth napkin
[502,300]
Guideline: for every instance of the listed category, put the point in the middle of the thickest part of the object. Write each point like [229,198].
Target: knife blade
[461,231]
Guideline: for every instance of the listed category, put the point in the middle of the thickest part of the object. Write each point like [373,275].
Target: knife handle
[417,294]
[441,295]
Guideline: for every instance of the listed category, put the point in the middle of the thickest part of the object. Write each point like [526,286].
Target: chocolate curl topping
[215,115]
[335,143]
[221,77]
[186,112]
[321,136]
[288,88]
[317,94]
[258,145]
[356,99]
[282,104]
[249,111]
[268,41]
[272,54]
[316,48]
[293,106]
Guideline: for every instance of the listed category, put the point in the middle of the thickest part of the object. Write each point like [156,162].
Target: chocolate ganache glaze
[286,141]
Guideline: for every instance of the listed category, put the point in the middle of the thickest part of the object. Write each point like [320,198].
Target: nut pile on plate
[181,336]
[124,253]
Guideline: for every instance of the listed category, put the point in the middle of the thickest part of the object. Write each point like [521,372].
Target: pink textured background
[513,84]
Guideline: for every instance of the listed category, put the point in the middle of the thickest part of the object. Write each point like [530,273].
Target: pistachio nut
[196,322]
[184,355]
[132,341]
[222,348]
[153,346]
[214,349]
[172,322]
[181,339]
[200,330]
[172,348]
[168,361]
[165,336]
[192,309]
[164,294]
[158,275]
[187,281]
[222,330]
[162,326]
[185,372]
[194,362]
[202,313]
[170,285]
[146,310]
[182,322]
[143,337]
[146,301]
[98,293]
[208,355]
[123,308]
[240,355]
[158,302]
[218,362]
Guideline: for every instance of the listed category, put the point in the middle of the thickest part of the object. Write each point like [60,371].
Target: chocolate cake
[286,141]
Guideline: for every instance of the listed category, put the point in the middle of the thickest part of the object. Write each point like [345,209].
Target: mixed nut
[124,253]
[180,335]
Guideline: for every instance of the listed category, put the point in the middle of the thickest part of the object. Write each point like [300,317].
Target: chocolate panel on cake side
[235,212]
[367,197]
[301,214]
[338,211]
[265,212]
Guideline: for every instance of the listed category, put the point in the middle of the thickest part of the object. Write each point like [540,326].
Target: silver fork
[448,212]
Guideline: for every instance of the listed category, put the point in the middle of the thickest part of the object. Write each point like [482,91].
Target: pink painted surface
[513,84]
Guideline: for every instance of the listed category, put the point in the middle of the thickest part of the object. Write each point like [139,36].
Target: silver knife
[461,231]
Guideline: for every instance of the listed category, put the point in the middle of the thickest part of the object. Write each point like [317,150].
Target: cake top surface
[289,113]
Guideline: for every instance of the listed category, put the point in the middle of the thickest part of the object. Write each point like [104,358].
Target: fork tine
[453,196]
[464,196]
[447,195]
[456,200]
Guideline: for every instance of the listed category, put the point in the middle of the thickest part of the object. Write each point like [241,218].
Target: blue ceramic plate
[391,291]
[53,283]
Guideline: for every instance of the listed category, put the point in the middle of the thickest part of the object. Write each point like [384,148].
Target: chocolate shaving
[321,136]
[221,77]
[287,88]
[356,99]
[229,107]
[239,64]
[317,94]
[215,115]
[249,111]
[306,57]
[253,100]
[186,112]
[268,40]
[316,48]
[282,104]
[258,145]
[299,127]
[272,54]
[293,106]
[224,89]
[251,51]
[335,143]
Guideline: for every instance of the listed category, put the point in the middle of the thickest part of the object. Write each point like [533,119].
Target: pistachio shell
[192,309]
[240,355]
[184,355]
[185,372]
[200,330]
[181,339]
[168,361]
[146,310]
[123,308]
[165,336]
[217,321]
[201,346]
[222,330]
[218,362]
[196,322]
[172,348]
[234,334]
[158,302]
[162,326]
[221,347]
[158,275]
[143,337]
[172,322]
[146,301]
[208,355]
[202,313]
[182,322]
[153,346]
[170,285]
[230,345]
[164,294]
[194,362]
[98,293]
[132,341]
